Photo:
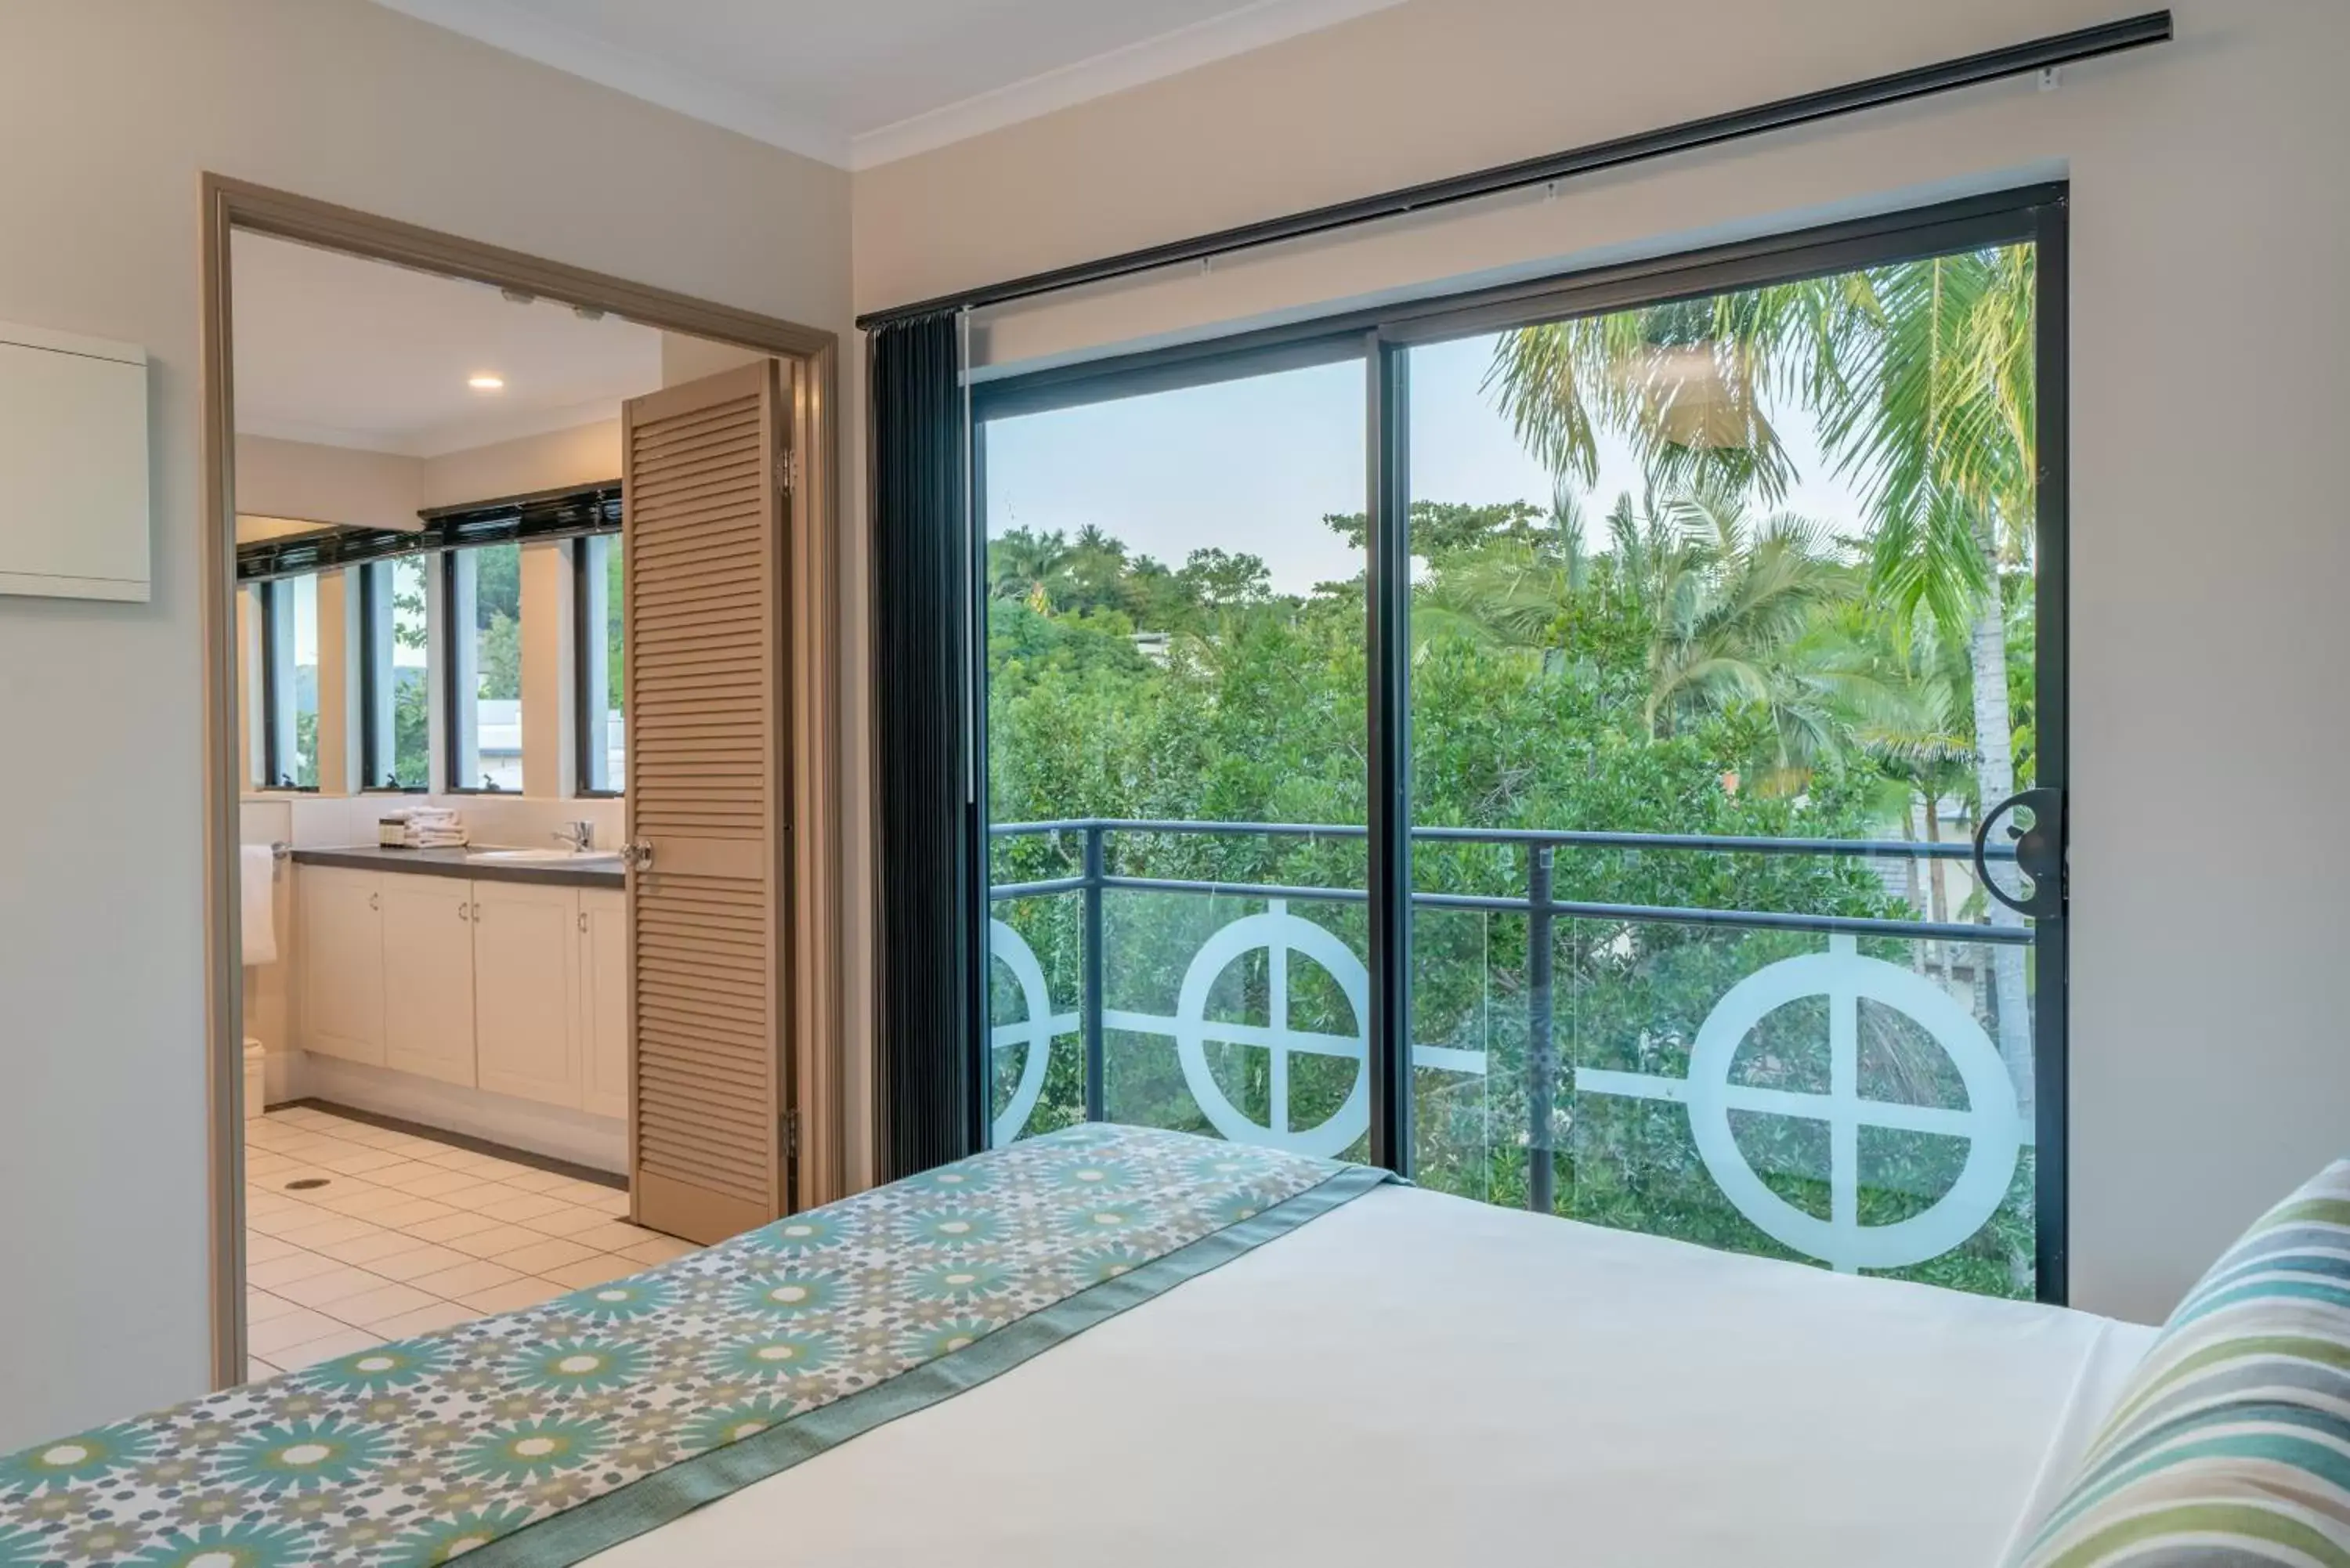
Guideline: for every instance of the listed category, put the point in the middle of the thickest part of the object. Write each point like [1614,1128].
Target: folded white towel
[257,901]
[434,827]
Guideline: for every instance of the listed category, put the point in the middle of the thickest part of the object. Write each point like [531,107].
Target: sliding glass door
[1173,589]
[1721,632]
[1625,716]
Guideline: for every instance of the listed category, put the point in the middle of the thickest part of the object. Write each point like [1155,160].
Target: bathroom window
[602,665]
[485,718]
[289,682]
[396,673]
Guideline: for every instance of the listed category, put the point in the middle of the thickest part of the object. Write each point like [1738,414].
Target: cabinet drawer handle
[375,901]
[583,920]
[465,911]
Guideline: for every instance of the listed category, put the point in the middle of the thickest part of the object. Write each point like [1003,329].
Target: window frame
[379,691]
[279,713]
[1381,336]
[590,693]
[542,516]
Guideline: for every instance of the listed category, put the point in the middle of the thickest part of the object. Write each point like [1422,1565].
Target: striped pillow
[2231,1442]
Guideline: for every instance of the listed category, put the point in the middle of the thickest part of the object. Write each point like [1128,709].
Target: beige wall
[2211,239]
[550,749]
[354,489]
[685,358]
[112,109]
[316,484]
[586,454]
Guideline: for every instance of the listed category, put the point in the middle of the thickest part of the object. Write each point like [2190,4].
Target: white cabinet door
[525,968]
[427,965]
[604,1002]
[73,442]
[342,962]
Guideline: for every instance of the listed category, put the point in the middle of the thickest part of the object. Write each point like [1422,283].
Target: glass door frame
[1382,338]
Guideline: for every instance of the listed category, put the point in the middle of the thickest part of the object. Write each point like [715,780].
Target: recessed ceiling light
[486,383]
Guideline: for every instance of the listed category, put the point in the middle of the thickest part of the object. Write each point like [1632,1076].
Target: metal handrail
[1715,843]
[1539,845]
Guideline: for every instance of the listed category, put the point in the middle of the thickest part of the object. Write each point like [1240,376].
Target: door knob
[2039,852]
[637,856]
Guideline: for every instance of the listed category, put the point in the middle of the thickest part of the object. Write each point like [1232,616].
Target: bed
[1115,1345]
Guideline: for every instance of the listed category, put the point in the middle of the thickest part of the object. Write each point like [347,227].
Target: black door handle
[2039,852]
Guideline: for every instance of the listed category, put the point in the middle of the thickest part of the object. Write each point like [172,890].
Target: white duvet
[1416,1380]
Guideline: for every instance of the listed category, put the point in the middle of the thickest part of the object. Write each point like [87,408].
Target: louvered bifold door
[708,780]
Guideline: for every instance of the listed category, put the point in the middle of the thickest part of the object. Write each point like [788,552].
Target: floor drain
[306,1183]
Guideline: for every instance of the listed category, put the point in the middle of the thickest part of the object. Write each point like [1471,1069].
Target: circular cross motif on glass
[1280,934]
[1990,1124]
[1032,1033]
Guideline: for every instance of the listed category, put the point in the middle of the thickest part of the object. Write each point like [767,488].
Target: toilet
[257,1075]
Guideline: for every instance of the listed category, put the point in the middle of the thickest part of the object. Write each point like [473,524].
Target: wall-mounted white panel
[73,462]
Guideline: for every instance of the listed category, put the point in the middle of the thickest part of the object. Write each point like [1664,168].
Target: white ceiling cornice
[1237,32]
[697,96]
[656,82]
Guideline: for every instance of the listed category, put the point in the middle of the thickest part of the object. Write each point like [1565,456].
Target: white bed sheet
[1416,1380]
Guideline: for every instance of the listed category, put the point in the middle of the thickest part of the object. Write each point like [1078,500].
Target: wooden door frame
[812,357]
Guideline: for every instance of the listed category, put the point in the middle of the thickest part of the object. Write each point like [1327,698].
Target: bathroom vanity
[485,992]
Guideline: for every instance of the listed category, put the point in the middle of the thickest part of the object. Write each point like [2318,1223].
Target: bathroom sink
[546,856]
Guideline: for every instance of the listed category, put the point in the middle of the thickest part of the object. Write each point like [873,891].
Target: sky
[1252,466]
[305,617]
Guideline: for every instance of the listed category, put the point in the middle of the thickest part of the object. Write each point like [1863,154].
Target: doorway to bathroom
[519,660]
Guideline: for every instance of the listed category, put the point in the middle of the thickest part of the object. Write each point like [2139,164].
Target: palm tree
[1933,411]
[1729,599]
[1023,565]
[1096,567]
[1903,693]
[1685,381]
[1922,374]
[1510,592]
[1725,598]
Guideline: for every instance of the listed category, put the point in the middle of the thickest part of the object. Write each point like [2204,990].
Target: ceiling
[341,351]
[860,84]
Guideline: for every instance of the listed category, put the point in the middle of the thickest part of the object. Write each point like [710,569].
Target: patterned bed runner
[540,1437]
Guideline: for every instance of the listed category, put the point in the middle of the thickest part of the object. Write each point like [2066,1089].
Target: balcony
[1824,1080]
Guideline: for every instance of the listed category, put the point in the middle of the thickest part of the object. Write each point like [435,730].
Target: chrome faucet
[578,836]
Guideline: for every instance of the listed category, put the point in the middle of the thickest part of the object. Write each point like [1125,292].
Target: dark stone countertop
[453,863]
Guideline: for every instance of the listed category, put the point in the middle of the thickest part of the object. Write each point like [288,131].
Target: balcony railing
[1671,1000]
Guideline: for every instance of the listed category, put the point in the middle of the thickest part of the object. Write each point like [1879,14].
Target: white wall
[2211,237]
[112,110]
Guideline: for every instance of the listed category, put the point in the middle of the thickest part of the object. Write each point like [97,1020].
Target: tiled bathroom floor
[410,1235]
